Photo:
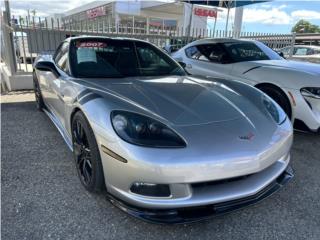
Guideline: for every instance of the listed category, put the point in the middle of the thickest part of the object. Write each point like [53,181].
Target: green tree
[303,26]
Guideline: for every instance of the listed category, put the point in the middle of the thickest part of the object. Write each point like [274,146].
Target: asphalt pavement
[42,198]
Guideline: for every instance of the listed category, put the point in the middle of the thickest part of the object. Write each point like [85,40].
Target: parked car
[22,50]
[295,86]
[167,147]
[175,43]
[302,53]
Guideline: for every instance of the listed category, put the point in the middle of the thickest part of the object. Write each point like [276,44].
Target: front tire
[279,97]
[86,154]
[37,92]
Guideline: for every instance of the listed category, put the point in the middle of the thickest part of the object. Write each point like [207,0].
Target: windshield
[108,58]
[249,51]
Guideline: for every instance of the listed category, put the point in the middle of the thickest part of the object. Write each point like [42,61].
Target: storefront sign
[205,12]
[96,12]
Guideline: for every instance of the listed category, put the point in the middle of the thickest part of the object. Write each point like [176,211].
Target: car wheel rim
[82,153]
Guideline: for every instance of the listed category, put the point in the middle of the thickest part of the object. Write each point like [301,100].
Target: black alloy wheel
[86,154]
[82,154]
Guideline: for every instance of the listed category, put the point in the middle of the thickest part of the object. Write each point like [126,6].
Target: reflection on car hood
[311,68]
[180,100]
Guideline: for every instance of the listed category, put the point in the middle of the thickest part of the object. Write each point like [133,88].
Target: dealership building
[139,16]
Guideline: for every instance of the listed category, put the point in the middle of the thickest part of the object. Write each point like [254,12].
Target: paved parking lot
[42,197]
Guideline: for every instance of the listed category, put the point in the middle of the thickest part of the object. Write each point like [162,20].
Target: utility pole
[228,13]
[190,23]
[237,21]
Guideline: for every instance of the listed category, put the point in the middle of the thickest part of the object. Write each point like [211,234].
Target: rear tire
[86,154]
[37,92]
[279,97]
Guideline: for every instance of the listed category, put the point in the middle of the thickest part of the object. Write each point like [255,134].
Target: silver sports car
[164,146]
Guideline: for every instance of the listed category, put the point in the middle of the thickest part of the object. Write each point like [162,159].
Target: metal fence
[32,36]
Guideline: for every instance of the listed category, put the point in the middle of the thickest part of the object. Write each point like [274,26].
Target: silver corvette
[164,146]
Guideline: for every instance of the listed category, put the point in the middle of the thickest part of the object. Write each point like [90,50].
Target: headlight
[142,130]
[312,92]
[275,111]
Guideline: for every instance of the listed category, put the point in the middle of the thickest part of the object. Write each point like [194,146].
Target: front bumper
[198,213]
[307,110]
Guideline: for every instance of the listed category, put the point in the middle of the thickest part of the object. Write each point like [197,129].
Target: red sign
[205,12]
[91,44]
[96,12]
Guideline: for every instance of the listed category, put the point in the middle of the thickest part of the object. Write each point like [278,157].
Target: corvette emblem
[248,137]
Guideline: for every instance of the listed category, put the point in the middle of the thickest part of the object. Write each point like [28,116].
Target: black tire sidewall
[279,98]
[40,103]
[97,183]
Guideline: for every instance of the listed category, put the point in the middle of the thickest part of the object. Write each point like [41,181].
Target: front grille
[217,182]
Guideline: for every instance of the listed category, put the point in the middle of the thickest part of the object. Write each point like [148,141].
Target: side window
[63,62]
[207,52]
[61,57]
[56,54]
[310,51]
[301,51]
[192,52]
[149,59]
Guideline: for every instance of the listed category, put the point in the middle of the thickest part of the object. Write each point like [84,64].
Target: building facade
[144,17]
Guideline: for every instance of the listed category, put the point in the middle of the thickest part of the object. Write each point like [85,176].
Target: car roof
[308,46]
[103,37]
[219,40]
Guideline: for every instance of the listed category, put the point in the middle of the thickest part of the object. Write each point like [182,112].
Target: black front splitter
[199,213]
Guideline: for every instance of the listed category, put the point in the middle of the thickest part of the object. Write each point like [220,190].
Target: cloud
[283,6]
[265,14]
[266,6]
[44,8]
[305,14]
[268,16]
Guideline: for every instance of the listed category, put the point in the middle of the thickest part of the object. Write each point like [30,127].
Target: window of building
[155,25]
[140,24]
[169,24]
[126,24]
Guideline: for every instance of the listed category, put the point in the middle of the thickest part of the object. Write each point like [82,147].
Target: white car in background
[302,53]
[294,85]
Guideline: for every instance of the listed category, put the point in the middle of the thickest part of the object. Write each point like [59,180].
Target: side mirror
[281,54]
[182,64]
[47,66]
[167,49]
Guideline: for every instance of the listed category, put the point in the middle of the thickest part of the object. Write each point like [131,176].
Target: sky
[276,16]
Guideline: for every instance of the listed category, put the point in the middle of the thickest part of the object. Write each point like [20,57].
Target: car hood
[181,100]
[310,68]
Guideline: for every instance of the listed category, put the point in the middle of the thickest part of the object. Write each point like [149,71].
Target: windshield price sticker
[86,55]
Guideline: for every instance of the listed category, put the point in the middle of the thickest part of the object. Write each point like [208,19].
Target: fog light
[151,189]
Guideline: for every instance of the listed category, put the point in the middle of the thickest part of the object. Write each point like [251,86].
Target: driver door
[58,85]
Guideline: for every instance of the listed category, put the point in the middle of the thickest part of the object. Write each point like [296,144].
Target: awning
[225,4]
